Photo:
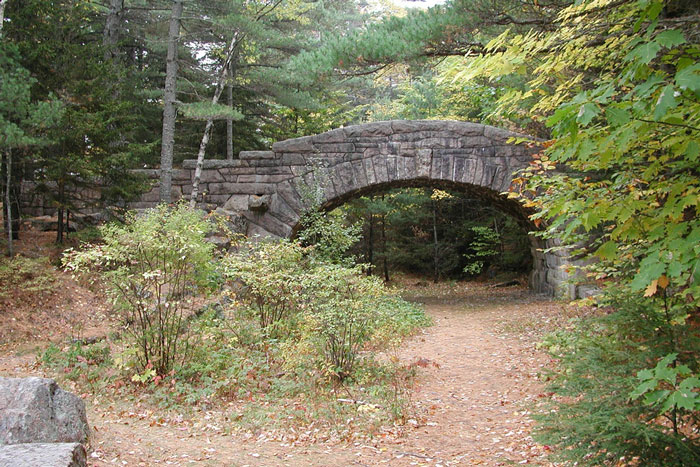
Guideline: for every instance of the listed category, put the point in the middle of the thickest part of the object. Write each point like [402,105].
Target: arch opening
[523,252]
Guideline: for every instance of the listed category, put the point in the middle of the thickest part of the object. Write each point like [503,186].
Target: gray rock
[36,410]
[43,455]
[257,155]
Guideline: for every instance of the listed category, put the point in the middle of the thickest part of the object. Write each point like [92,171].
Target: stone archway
[263,190]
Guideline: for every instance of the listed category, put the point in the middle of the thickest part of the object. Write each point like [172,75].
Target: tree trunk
[2,14]
[169,110]
[8,204]
[59,214]
[220,84]
[436,260]
[229,121]
[384,252]
[112,30]
[370,245]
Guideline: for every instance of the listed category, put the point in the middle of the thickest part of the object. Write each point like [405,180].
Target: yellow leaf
[651,290]
[663,281]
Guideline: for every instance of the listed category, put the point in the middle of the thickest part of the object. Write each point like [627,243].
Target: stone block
[476,142]
[371,152]
[275,228]
[380,169]
[489,175]
[211,175]
[333,136]
[369,129]
[36,410]
[183,175]
[497,135]
[446,167]
[369,171]
[281,210]
[236,203]
[43,455]
[362,146]
[391,169]
[335,147]
[303,144]
[240,188]
[460,167]
[358,171]
[290,195]
[352,156]
[464,128]
[405,126]
[213,163]
[292,158]
[344,173]
[262,163]
[257,155]
[440,143]
[247,178]
[423,162]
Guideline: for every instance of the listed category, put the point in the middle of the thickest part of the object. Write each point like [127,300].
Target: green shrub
[153,264]
[342,314]
[268,275]
[598,415]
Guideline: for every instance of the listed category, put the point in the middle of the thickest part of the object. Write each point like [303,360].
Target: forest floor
[478,384]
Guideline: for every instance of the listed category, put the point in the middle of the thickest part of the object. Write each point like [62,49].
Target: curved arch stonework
[264,191]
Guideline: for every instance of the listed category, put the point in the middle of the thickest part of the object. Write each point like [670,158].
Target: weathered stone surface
[303,144]
[333,136]
[212,163]
[237,203]
[259,203]
[256,155]
[369,129]
[43,455]
[36,410]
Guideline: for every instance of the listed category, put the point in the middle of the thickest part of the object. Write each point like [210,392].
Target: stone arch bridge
[266,191]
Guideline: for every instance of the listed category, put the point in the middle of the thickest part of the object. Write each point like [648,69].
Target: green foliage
[84,363]
[23,120]
[329,311]
[403,227]
[484,246]
[31,275]
[598,414]
[329,235]
[616,82]
[328,232]
[662,388]
[153,264]
[270,273]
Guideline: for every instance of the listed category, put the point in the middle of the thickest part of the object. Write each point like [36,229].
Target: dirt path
[472,399]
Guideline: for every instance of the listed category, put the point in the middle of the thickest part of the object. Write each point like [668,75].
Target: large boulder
[36,410]
[43,455]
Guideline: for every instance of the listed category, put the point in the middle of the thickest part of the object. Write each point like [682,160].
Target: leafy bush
[153,265]
[598,414]
[324,309]
[269,279]
[342,314]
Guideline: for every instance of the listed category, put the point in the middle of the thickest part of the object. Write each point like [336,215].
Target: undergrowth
[290,338]
[595,416]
